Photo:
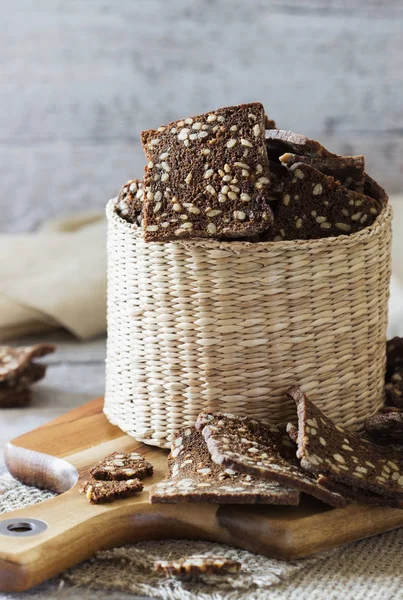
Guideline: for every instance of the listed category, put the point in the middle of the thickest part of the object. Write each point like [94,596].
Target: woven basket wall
[230,326]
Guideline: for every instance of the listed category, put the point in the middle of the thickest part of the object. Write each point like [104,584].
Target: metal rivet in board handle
[22,527]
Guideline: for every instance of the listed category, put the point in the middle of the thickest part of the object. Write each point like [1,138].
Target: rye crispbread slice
[315,205]
[352,494]
[129,203]
[14,361]
[194,477]
[331,451]
[360,496]
[261,450]
[394,356]
[120,466]
[99,492]
[207,176]
[280,141]
[14,398]
[386,428]
[394,388]
[374,190]
[15,392]
[194,566]
[347,170]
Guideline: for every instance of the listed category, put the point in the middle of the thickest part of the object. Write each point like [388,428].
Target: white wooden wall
[79,80]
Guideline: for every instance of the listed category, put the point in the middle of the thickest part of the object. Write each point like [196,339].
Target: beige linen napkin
[55,277]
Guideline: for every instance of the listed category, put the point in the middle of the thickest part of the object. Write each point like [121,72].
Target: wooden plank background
[79,79]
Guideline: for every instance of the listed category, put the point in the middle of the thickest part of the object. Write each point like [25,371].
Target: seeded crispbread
[329,450]
[207,176]
[347,491]
[14,397]
[15,392]
[394,388]
[388,409]
[129,203]
[99,492]
[194,477]
[394,356]
[315,205]
[197,565]
[14,361]
[348,170]
[263,451]
[357,495]
[386,428]
[280,141]
[122,465]
[374,190]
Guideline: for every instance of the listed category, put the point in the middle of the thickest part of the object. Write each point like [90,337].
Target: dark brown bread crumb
[314,206]
[347,170]
[263,451]
[120,466]
[207,176]
[194,477]
[194,566]
[129,203]
[329,450]
[99,492]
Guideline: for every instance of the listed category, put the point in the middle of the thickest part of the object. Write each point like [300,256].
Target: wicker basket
[231,325]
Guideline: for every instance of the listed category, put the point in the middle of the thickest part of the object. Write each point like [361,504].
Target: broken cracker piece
[99,492]
[196,565]
[120,466]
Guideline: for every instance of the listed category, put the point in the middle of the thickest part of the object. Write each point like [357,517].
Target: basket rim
[235,246]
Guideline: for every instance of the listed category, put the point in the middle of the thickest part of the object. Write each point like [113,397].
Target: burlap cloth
[366,570]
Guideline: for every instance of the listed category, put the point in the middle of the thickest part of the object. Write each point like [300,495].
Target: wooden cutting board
[57,455]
